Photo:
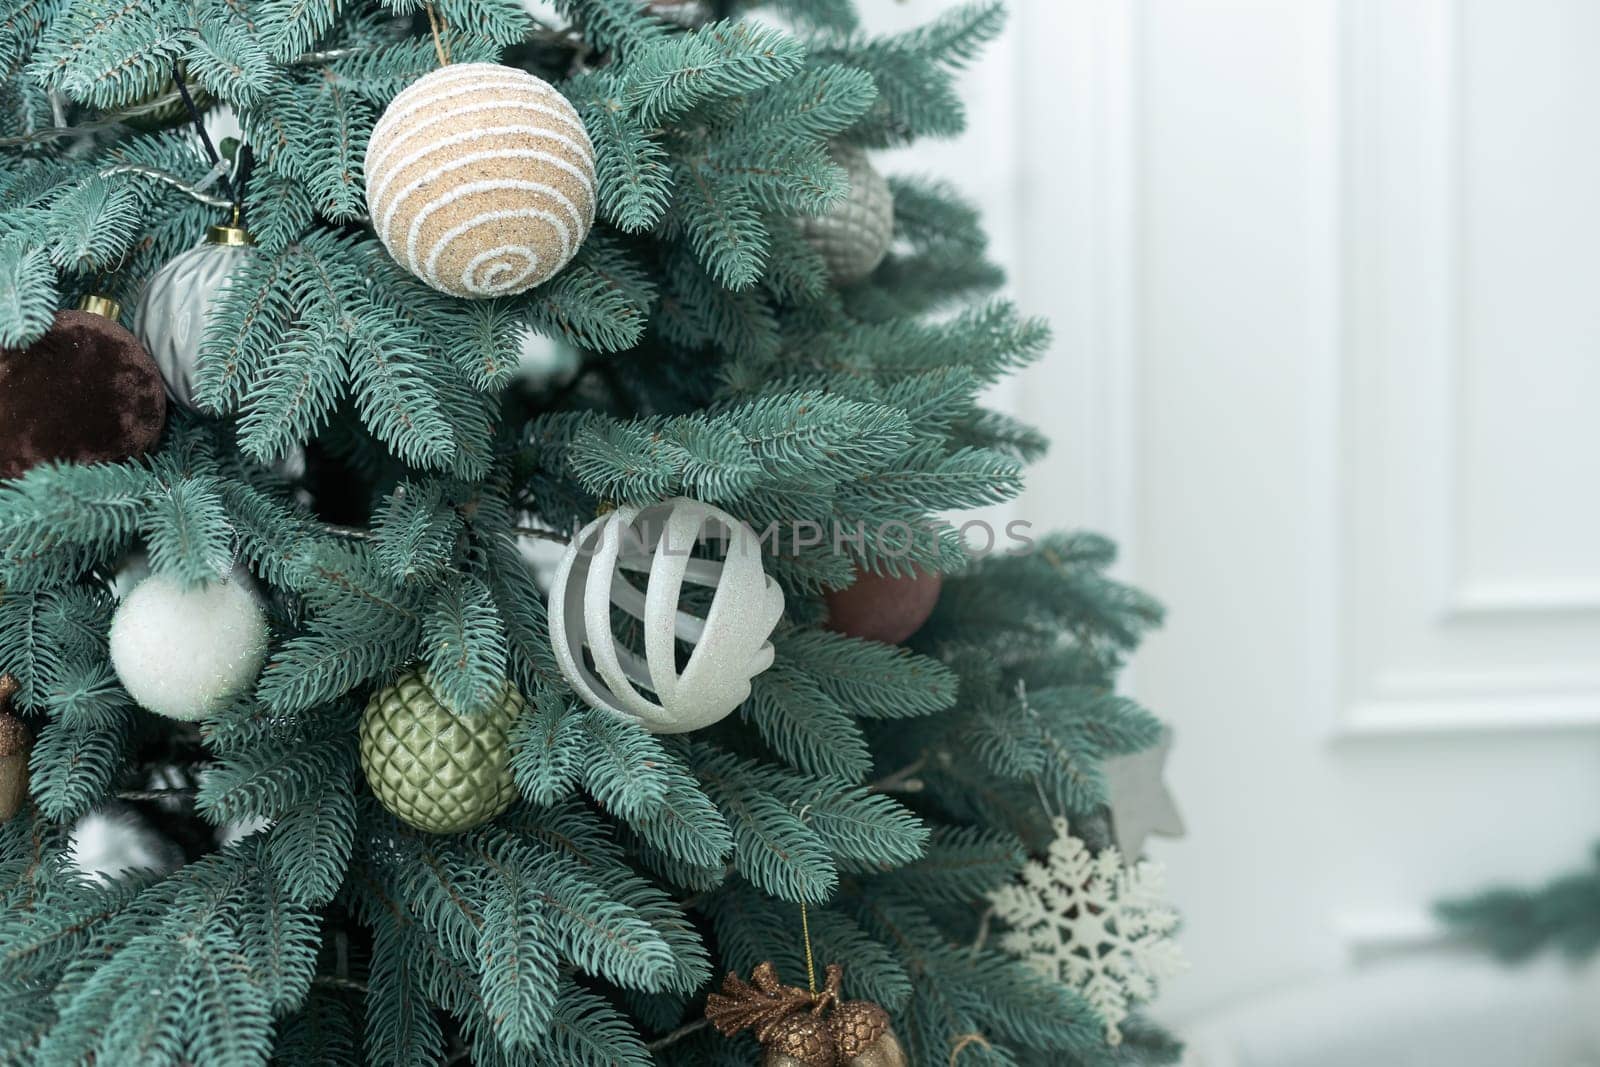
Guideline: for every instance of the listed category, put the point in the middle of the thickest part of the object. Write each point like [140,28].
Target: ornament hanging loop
[441,35]
[811,965]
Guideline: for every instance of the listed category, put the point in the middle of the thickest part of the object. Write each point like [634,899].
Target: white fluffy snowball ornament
[854,235]
[176,302]
[480,180]
[187,652]
[543,361]
[729,637]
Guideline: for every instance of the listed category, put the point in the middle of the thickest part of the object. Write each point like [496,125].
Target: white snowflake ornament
[1092,924]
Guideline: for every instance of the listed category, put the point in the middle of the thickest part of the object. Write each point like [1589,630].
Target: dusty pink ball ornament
[882,608]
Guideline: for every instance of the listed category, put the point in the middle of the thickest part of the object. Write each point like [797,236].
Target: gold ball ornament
[480,180]
[15,742]
[438,770]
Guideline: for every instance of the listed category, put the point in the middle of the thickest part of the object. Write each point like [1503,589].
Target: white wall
[1323,278]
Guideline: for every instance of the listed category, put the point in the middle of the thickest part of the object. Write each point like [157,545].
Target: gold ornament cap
[98,304]
[229,235]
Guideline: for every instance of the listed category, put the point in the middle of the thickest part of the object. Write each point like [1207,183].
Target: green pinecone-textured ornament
[439,771]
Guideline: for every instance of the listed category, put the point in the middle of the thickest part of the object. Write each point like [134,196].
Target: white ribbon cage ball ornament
[480,180]
[730,642]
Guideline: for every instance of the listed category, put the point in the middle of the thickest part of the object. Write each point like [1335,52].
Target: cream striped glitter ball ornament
[480,180]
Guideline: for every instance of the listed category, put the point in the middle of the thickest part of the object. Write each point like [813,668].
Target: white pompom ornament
[177,301]
[730,645]
[187,652]
[855,234]
[480,180]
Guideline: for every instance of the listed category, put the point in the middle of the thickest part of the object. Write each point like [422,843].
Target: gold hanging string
[441,30]
[964,1042]
[805,927]
[805,932]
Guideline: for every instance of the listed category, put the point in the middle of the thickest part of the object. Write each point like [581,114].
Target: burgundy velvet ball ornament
[881,608]
[85,392]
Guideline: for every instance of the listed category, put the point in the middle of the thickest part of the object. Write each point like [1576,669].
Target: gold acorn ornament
[862,1034]
[800,1028]
[15,741]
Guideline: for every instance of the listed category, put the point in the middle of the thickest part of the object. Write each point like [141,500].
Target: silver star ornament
[1141,804]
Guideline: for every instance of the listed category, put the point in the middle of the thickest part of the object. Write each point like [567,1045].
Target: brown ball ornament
[15,741]
[85,392]
[882,608]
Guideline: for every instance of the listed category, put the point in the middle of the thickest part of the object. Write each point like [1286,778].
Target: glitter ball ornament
[854,235]
[187,652]
[729,637]
[543,362]
[883,608]
[85,392]
[480,180]
[15,741]
[177,301]
[440,771]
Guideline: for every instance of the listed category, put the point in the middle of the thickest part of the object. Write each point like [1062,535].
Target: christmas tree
[455,716]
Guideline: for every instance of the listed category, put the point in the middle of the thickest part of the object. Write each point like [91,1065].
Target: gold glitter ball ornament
[437,770]
[480,180]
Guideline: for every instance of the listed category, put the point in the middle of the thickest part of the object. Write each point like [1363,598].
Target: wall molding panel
[1077,176]
[1430,644]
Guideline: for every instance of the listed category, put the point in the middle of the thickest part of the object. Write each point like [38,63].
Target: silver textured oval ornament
[176,305]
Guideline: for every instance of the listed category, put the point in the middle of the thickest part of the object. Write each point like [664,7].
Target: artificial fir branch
[358,533]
